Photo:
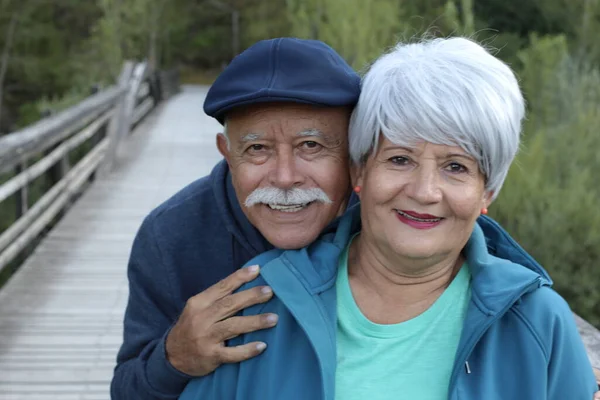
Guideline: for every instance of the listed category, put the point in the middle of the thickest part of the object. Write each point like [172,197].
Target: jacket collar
[316,265]
[499,280]
[500,268]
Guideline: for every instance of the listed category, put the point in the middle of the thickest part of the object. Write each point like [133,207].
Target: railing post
[117,120]
[155,87]
[22,196]
[137,78]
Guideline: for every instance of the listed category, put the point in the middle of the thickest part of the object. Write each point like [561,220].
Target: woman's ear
[356,174]
[488,197]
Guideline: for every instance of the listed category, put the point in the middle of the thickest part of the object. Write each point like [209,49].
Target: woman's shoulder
[547,315]
[544,305]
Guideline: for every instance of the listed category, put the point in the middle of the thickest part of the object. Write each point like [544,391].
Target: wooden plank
[141,110]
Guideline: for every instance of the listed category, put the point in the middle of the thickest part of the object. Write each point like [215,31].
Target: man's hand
[196,343]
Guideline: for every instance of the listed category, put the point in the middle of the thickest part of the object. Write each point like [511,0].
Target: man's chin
[290,230]
[290,237]
[292,243]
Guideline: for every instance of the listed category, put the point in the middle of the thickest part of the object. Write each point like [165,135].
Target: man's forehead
[248,123]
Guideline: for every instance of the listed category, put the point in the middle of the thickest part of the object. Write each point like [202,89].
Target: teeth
[288,208]
[418,219]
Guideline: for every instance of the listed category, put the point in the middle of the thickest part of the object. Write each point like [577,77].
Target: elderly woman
[425,299]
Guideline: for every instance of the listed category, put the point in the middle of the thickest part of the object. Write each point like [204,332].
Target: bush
[549,201]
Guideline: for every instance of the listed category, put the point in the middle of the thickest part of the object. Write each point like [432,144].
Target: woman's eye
[399,160]
[456,167]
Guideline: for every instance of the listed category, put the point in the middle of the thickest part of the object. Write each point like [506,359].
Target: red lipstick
[418,220]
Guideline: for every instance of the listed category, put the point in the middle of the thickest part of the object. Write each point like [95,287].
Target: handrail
[15,147]
[102,120]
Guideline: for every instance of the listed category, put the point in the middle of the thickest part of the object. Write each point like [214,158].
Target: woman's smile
[418,221]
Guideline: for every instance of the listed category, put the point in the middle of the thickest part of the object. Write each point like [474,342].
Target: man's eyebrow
[250,137]
[330,140]
[311,132]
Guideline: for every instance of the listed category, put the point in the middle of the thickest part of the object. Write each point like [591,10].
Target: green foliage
[540,63]
[32,112]
[366,29]
[549,201]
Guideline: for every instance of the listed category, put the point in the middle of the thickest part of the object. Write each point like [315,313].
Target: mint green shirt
[406,361]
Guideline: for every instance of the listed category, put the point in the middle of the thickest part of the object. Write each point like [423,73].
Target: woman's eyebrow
[396,147]
[461,155]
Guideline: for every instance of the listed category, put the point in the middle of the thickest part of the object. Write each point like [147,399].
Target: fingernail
[253,269]
[266,290]
[272,319]
[261,346]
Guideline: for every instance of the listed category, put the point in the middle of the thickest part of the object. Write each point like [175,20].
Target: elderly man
[285,104]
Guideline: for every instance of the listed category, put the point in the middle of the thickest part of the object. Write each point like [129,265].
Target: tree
[549,201]
[358,30]
[5,58]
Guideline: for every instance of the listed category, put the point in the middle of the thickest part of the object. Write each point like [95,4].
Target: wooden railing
[97,124]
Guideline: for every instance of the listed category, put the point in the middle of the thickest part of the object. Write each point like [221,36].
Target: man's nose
[286,174]
[425,185]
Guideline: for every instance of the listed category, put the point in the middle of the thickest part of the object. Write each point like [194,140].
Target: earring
[484,211]
[356,189]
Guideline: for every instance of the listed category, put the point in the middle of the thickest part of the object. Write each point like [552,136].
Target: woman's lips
[417,220]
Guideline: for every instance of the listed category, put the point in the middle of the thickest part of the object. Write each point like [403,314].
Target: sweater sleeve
[570,374]
[143,371]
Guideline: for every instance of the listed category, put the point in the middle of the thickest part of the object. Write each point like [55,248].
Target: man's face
[289,165]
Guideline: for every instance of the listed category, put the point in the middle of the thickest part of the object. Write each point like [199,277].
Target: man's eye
[256,147]
[399,160]
[456,167]
[310,145]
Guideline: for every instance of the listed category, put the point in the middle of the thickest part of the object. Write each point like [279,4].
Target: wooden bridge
[110,160]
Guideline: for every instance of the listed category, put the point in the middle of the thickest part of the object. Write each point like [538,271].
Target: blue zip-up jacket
[519,338]
[187,244]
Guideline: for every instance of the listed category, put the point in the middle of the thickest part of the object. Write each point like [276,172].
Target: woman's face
[420,203]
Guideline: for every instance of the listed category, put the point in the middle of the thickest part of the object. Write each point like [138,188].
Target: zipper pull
[467,367]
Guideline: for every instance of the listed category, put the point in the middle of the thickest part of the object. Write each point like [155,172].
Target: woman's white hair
[444,91]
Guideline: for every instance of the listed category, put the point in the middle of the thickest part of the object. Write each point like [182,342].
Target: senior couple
[371,270]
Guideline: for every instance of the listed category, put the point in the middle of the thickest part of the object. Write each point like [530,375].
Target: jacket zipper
[462,360]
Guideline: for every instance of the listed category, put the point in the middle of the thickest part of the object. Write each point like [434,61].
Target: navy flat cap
[284,70]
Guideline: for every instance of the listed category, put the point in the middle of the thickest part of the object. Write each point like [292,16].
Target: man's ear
[223,146]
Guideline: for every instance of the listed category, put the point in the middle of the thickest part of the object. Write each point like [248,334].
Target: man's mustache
[272,195]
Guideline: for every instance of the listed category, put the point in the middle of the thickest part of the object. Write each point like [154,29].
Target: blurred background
[54,53]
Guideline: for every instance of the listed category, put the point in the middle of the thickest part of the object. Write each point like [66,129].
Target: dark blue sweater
[196,238]
[193,240]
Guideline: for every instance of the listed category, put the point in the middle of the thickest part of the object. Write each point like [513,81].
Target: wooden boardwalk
[61,314]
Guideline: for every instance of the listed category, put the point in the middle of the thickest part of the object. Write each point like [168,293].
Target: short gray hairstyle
[445,91]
